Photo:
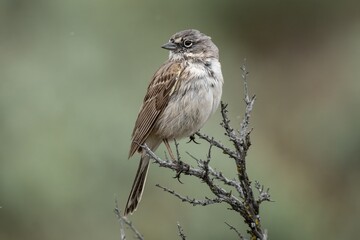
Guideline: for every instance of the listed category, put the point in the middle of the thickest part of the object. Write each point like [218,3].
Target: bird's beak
[169,46]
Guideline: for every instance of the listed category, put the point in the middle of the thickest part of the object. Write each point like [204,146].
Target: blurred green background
[72,78]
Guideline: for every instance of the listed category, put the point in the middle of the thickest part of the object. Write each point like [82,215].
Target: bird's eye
[171,40]
[187,43]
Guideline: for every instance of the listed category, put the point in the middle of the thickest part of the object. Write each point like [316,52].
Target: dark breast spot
[209,70]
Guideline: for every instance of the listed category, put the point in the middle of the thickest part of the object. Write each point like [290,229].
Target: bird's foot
[181,167]
[192,139]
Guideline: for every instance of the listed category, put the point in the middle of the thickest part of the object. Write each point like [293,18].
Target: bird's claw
[181,167]
[192,139]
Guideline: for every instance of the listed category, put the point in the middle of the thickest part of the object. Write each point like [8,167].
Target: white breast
[194,102]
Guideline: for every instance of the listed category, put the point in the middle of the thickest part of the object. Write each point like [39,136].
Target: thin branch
[181,232]
[244,77]
[217,144]
[123,220]
[264,195]
[219,175]
[202,173]
[192,201]
[237,232]
[118,216]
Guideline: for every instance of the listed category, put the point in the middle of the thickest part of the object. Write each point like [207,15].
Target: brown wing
[156,99]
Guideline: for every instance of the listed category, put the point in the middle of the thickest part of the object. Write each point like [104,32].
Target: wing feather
[155,101]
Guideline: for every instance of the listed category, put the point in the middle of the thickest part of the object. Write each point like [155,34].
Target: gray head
[191,43]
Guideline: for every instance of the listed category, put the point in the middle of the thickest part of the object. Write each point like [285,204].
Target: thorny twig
[123,220]
[264,195]
[237,232]
[181,232]
[192,201]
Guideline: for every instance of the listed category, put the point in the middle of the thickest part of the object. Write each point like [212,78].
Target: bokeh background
[72,78]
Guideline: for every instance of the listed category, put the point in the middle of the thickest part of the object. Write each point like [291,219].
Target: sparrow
[183,93]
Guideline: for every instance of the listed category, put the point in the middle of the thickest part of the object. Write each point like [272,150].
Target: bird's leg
[169,149]
[180,164]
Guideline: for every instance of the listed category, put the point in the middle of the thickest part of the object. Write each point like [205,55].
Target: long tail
[138,185]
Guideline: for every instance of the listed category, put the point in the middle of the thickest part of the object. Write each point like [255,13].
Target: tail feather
[138,185]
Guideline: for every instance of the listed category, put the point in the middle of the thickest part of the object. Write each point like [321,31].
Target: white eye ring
[187,43]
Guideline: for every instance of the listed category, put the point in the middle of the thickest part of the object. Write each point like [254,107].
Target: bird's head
[191,44]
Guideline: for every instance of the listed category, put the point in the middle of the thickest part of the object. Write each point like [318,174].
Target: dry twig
[181,232]
[123,220]
[237,232]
